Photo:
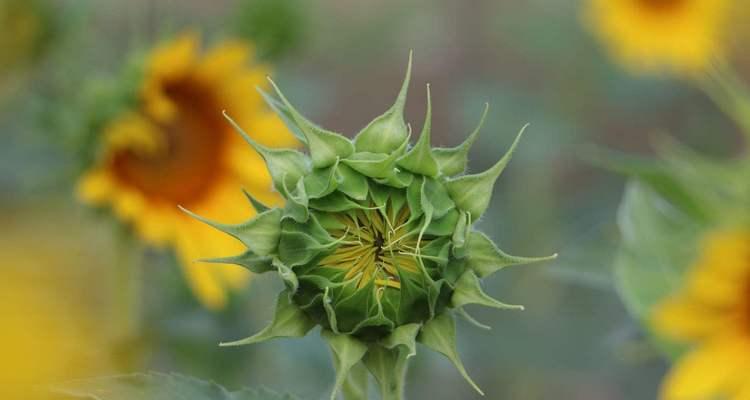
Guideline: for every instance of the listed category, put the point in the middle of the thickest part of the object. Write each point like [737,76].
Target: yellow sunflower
[174,147]
[712,314]
[660,35]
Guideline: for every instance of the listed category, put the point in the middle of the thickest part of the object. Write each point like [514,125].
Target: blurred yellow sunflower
[711,312]
[660,35]
[174,147]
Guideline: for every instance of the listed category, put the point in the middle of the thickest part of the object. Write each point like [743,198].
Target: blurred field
[532,61]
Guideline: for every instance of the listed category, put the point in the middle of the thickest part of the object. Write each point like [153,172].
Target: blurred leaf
[277,27]
[158,386]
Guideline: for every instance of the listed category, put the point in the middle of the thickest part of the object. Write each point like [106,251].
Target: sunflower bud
[375,243]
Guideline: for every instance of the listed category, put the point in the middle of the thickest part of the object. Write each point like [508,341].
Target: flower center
[185,166]
[376,245]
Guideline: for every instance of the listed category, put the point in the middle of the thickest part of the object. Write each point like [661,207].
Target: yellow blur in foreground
[52,310]
[711,312]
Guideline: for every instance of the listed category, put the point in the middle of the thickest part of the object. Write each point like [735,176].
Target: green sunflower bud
[375,243]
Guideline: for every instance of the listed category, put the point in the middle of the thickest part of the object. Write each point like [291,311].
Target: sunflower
[650,35]
[173,147]
[711,312]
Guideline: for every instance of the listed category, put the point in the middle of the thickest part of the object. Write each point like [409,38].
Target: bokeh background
[342,61]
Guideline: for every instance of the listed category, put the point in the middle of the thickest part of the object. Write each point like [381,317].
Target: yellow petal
[94,187]
[682,319]
[224,60]
[714,370]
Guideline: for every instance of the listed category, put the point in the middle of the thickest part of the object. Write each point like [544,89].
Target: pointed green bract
[288,321]
[469,291]
[347,352]
[325,147]
[386,132]
[453,161]
[473,192]
[439,334]
[419,159]
[484,258]
[375,243]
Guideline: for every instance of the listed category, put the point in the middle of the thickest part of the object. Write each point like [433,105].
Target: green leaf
[388,360]
[658,245]
[484,258]
[419,159]
[473,192]
[297,202]
[288,321]
[326,147]
[460,311]
[347,352]
[388,131]
[251,261]
[439,334]
[468,290]
[286,166]
[453,161]
[159,386]
[321,182]
[260,234]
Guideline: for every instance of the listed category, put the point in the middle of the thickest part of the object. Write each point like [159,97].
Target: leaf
[468,290]
[347,352]
[286,166]
[484,258]
[388,131]
[472,193]
[658,245]
[260,234]
[376,165]
[159,386]
[439,334]
[434,196]
[355,386]
[419,159]
[326,147]
[453,161]
[288,321]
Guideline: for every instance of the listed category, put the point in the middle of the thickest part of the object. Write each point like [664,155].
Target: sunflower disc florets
[375,243]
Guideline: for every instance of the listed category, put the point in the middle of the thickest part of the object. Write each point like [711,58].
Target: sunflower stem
[356,384]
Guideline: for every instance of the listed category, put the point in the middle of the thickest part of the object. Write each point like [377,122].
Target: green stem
[356,383]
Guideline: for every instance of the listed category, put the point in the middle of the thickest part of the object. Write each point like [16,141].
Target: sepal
[260,234]
[453,161]
[288,321]
[419,159]
[346,351]
[468,290]
[485,258]
[473,192]
[439,334]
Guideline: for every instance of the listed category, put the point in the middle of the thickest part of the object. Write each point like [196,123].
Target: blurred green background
[342,62]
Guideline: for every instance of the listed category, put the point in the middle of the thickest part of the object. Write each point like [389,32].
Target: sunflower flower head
[680,36]
[162,142]
[375,242]
[711,313]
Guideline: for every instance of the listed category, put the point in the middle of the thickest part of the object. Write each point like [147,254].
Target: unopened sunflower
[376,243]
[711,312]
[681,36]
[169,145]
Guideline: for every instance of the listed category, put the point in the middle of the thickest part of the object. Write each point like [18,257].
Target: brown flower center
[183,171]
[662,5]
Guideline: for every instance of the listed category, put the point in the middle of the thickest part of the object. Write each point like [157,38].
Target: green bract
[375,243]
